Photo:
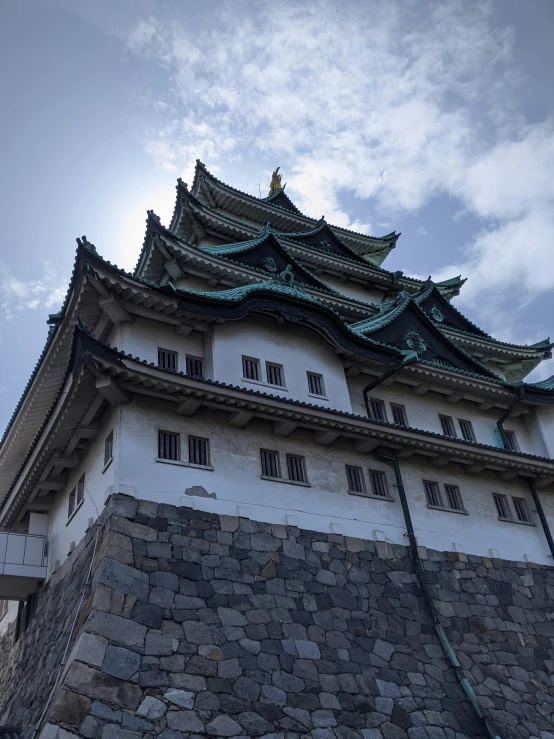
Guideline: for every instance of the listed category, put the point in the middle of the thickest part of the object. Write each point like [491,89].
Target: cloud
[18,294]
[393,102]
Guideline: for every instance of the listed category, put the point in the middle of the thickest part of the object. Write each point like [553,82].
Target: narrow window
[466,427]
[502,506]
[71,503]
[378,410]
[315,384]
[511,441]
[251,368]
[275,374]
[454,497]
[199,451]
[81,490]
[108,448]
[355,477]
[448,428]
[195,366]
[167,360]
[399,416]
[520,507]
[169,445]
[271,465]
[433,493]
[379,485]
[296,468]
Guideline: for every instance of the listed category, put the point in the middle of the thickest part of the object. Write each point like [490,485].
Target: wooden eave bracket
[109,389]
[114,309]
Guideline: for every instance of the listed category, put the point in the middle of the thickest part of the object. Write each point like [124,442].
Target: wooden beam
[485,405]
[65,462]
[153,314]
[326,438]
[366,445]
[420,389]
[189,407]
[508,475]
[353,371]
[453,398]
[284,428]
[474,469]
[173,268]
[240,419]
[109,389]
[405,453]
[113,308]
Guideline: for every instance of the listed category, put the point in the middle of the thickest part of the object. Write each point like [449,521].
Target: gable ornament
[268,264]
[415,342]
[437,315]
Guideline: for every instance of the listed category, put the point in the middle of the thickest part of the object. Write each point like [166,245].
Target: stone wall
[200,625]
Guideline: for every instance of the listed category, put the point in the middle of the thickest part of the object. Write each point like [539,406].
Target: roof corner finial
[275,183]
[84,242]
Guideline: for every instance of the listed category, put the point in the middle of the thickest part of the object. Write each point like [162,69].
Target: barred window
[195,366]
[169,445]
[251,368]
[448,428]
[399,415]
[511,441]
[520,507]
[315,384]
[454,497]
[296,468]
[502,506]
[199,451]
[275,374]
[81,490]
[355,477]
[108,448]
[71,503]
[271,465]
[379,483]
[433,493]
[378,410]
[167,360]
[466,427]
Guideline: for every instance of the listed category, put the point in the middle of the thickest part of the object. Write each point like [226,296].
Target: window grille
[511,441]
[520,507]
[454,497]
[466,427]
[251,368]
[3,608]
[108,448]
[195,366]
[379,484]
[81,490]
[271,465]
[167,360]
[355,477]
[71,503]
[433,493]
[275,374]
[199,451]
[502,506]
[169,445]
[448,428]
[378,410]
[399,415]
[315,384]
[296,468]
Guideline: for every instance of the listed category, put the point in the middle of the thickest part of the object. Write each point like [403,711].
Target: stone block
[121,663]
[89,728]
[293,550]
[122,578]
[254,724]
[95,684]
[121,630]
[184,721]
[113,731]
[158,644]
[181,698]
[133,529]
[90,649]
[151,708]
[231,617]
[223,726]
[228,523]
[69,708]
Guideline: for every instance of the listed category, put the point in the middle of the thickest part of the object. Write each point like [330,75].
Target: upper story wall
[295,348]
[353,289]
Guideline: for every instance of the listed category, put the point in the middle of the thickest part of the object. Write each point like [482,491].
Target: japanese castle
[261,364]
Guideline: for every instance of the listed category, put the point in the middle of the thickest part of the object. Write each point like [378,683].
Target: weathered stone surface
[117,629]
[181,698]
[151,708]
[184,721]
[223,726]
[121,663]
[122,578]
[95,684]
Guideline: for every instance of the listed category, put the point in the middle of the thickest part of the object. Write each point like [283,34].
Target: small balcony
[23,563]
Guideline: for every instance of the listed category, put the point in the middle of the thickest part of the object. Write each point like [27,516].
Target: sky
[435,119]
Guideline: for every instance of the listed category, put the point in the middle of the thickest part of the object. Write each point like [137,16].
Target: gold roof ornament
[275,183]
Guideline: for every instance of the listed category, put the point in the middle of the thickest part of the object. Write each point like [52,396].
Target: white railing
[23,555]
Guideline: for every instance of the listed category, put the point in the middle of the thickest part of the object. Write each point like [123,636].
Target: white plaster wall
[423,413]
[353,289]
[199,285]
[143,337]
[99,484]
[545,421]
[9,616]
[325,505]
[297,349]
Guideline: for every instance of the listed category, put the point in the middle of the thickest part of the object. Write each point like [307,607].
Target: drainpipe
[540,511]
[416,561]
[409,358]
[518,395]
